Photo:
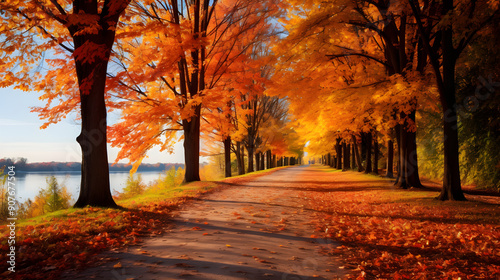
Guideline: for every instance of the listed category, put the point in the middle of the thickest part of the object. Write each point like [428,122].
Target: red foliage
[58,244]
[380,238]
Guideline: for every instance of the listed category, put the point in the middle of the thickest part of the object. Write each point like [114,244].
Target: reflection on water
[29,184]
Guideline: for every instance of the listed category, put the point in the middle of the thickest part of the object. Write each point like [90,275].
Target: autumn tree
[174,73]
[446,29]
[75,40]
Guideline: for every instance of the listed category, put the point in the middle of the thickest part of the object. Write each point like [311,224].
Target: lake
[29,184]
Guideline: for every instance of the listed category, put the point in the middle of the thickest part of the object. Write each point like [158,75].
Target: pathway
[257,230]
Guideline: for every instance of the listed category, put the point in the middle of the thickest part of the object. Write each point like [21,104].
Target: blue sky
[21,136]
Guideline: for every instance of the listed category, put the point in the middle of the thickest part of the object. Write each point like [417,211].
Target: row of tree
[368,66]
[176,69]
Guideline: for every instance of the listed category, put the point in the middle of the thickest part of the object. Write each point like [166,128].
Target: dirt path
[257,230]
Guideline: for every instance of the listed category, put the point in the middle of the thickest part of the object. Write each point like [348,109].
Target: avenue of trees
[411,83]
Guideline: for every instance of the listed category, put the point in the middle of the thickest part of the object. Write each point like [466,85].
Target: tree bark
[257,161]
[353,157]
[240,158]
[368,143]
[192,146]
[356,152]
[94,187]
[262,161]
[408,175]
[452,188]
[347,156]
[390,159]
[250,150]
[339,154]
[376,154]
[227,157]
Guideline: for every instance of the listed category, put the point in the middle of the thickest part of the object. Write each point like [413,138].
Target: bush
[54,197]
[173,178]
[134,186]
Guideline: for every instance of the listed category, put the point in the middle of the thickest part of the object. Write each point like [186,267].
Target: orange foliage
[381,234]
[158,68]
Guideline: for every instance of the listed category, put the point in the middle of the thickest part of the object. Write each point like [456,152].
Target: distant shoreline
[24,167]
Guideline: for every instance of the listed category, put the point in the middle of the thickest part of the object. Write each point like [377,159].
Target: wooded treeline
[23,165]
[381,74]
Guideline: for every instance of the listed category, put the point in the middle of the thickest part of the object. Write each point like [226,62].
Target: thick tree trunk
[368,143]
[192,146]
[274,164]
[269,159]
[356,152]
[95,187]
[452,189]
[390,159]
[408,176]
[227,157]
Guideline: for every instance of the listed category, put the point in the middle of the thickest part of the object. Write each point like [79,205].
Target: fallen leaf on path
[185,265]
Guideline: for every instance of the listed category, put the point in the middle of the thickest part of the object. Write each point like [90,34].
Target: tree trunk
[368,142]
[390,159]
[408,176]
[452,189]
[339,154]
[347,156]
[269,159]
[192,146]
[227,156]
[257,161]
[353,157]
[413,177]
[397,128]
[375,157]
[250,159]
[94,187]
[273,163]
[240,158]
[262,161]
[356,152]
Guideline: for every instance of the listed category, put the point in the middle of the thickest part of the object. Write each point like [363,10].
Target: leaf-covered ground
[389,233]
[378,231]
